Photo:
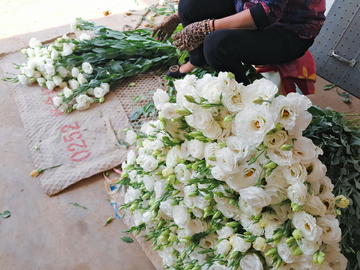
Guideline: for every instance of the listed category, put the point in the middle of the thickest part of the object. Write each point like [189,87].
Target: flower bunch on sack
[224,179]
[85,68]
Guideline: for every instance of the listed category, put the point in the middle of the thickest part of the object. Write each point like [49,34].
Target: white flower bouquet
[224,179]
[85,68]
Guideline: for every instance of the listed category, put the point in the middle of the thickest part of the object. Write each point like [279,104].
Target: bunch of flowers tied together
[224,179]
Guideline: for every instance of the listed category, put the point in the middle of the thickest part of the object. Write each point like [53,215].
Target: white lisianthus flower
[188,80]
[227,209]
[131,157]
[251,262]
[182,217]
[50,85]
[333,256]
[82,106]
[240,149]
[58,102]
[37,74]
[131,136]
[30,52]
[173,156]
[63,71]
[196,149]
[81,78]
[74,72]
[297,193]
[308,247]
[293,114]
[202,118]
[23,79]
[276,140]
[137,217]
[233,101]
[132,194]
[260,244]
[316,170]
[223,247]
[315,206]
[306,223]
[226,82]
[168,110]
[285,253]
[253,123]
[84,36]
[57,80]
[255,196]
[87,68]
[149,182]
[185,151]
[295,173]
[74,84]
[99,92]
[282,158]
[247,176]
[276,193]
[225,232]
[322,186]
[41,81]
[226,160]
[67,92]
[34,43]
[305,150]
[159,188]
[67,50]
[167,208]
[28,71]
[217,266]
[84,99]
[210,149]
[240,244]
[160,98]
[263,88]
[212,94]
[328,199]
[214,132]
[196,226]
[50,69]
[182,101]
[219,174]
[150,163]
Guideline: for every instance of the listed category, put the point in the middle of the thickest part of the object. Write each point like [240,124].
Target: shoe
[174,72]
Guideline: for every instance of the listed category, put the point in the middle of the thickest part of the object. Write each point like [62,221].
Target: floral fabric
[303,17]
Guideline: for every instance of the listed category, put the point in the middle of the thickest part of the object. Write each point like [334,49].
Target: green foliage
[5,214]
[340,142]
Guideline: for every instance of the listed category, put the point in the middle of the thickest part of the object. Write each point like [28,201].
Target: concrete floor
[48,232]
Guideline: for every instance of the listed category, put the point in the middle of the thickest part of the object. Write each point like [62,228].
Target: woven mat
[85,142]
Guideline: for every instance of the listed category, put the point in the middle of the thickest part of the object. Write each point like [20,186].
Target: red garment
[301,71]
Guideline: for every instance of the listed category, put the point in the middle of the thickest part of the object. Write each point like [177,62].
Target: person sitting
[225,34]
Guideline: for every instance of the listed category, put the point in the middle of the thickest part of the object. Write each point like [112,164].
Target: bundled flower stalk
[224,179]
[85,68]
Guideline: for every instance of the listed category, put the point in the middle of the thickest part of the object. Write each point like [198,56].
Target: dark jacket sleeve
[265,12]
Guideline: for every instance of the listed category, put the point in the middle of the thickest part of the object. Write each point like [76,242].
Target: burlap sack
[85,142]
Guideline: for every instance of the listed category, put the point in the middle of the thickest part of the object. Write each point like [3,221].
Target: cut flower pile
[224,179]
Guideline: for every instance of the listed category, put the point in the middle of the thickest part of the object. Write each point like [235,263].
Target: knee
[215,47]
[189,11]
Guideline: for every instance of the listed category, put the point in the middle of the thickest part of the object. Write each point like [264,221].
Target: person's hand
[192,35]
[165,29]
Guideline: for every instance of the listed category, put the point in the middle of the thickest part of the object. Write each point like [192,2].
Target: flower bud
[159,247]
[200,138]
[296,251]
[212,158]
[286,147]
[278,235]
[234,254]
[232,224]
[167,171]
[162,124]
[205,106]
[258,100]
[194,166]
[231,76]
[133,207]
[193,194]
[208,197]
[222,145]
[231,201]
[183,111]
[35,173]
[102,99]
[190,99]
[297,234]
[176,192]
[315,257]
[290,240]
[219,194]
[321,258]
[172,238]
[341,201]
[271,252]
[228,119]
[271,165]
[195,134]
[217,214]
[295,207]
[124,175]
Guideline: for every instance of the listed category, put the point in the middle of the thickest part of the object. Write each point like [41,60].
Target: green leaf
[5,214]
[127,239]
[136,114]
[137,98]
[329,86]
[110,53]
[298,89]
[343,94]
[76,204]
[90,57]
[116,34]
[116,67]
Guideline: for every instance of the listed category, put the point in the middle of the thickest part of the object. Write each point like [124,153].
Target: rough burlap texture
[117,196]
[85,142]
